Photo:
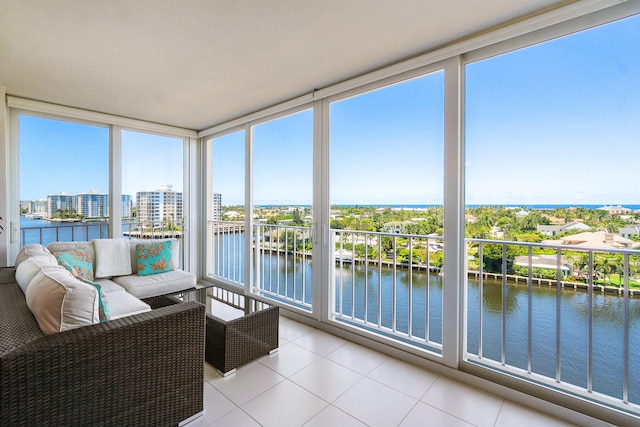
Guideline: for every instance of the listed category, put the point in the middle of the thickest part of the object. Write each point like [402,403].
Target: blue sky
[148,161]
[556,123]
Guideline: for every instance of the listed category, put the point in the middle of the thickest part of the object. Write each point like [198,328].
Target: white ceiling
[196,63]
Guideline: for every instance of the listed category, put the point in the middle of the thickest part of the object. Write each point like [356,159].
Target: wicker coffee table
[239,328]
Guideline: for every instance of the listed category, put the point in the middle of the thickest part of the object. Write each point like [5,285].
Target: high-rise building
[217,206]
[159,206]
[93,205]
[127,206]
[60,203]
[34,207]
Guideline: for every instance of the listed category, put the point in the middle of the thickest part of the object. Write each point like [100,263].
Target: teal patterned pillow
[153,258]
[78,262]
[104,310]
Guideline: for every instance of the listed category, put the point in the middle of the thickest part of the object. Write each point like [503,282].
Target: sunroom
[282,137]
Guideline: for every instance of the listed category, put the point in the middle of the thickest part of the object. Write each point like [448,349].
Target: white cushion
[156,284]
[175,252]
[61,302]
[108,285]
[123,304]
[30,267]
[113,258]
[29,250]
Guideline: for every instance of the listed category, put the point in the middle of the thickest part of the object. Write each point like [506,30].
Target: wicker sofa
[144,369]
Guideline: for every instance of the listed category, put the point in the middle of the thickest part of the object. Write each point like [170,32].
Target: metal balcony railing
[565,316]
[281,254]
[282,264]
[226,245]
[391,284]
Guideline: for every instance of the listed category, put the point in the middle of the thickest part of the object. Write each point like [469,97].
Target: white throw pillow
[112,258]
[29,250]
[29,268]
[61,302]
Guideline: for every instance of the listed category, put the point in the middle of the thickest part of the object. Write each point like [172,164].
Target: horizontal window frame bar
[104,119]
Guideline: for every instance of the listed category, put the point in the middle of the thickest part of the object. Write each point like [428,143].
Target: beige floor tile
[422,415]
[332,416]
[326,379]
[291,330]
[513,414]
[320,342]
[404,377]
[248,382]
[467,403]
[375,404]
[285,405]
[289,359]
[235,418]
[357,358]
[216,405]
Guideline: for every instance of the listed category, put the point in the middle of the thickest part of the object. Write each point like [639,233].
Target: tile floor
[317,379]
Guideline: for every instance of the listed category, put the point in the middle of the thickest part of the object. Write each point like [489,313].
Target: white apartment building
[93,205]
[159,205]
[34,207]
[60,202]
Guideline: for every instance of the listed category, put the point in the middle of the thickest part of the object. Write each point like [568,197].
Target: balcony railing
[226,245]
[391,284]
[282,260]
[564,316]
[282,264]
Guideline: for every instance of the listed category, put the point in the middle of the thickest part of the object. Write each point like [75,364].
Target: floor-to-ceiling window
[226,209]
[152,186]
[282,207]
[64,180]
[386,197]
[552,142]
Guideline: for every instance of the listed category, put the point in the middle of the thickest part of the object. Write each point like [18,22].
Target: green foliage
[67,214]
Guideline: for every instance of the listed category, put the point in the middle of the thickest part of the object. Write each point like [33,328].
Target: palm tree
[580,263]
[607,265]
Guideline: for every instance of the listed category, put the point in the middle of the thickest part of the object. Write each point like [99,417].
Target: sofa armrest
[145,369]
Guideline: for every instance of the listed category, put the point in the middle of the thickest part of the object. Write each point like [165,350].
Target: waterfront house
[546,262]
[199,72]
